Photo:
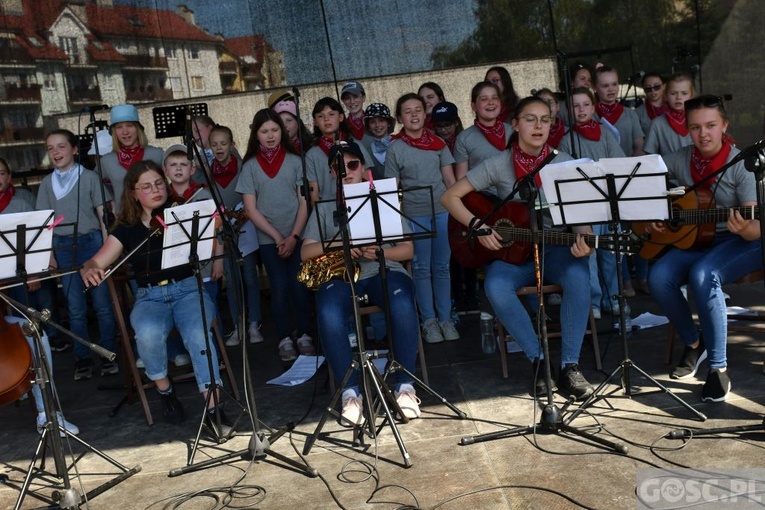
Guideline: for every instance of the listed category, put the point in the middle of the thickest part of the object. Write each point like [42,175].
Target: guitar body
[471,253]
[679,234]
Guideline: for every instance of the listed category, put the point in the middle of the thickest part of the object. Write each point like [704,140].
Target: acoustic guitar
[692,224]
[512,223]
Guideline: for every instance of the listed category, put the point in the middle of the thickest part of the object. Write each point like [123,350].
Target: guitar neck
[547,236]
[714,215]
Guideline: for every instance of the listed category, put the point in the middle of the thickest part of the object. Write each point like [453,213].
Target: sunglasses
[352,165]
[653,88]
[705,101]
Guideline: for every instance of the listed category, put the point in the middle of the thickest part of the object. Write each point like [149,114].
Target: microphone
[94,107]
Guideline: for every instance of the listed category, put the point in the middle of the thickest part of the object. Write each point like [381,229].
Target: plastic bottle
[488,337]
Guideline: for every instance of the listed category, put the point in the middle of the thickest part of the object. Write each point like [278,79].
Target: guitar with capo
[512,223]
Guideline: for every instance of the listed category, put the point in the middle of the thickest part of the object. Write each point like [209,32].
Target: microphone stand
[305,189]
[563,62]
[552,417]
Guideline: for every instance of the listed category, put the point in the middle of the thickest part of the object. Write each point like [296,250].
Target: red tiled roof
[243,46]
[107,54]
[45,52]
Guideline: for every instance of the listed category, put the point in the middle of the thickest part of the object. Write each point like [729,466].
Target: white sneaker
[255,335]
[182,360]
[233,338]
[449,331]
[353,409]
[408,402]
[69,427]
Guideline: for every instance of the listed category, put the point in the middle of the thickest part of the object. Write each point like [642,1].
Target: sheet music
[586,202]
[34,262]
[176,247]
[361,227]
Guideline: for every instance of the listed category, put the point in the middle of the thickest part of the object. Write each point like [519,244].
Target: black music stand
[363,208]
[612,190]
[35,240]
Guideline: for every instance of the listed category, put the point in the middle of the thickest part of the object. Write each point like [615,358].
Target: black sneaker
[572,382]
[172,409]
[689,361]
[226,429]
[109,368]
[540,383]
[717,387]
[59,345]
[83,369]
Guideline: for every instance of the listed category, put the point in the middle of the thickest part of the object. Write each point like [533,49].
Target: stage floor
[519,472]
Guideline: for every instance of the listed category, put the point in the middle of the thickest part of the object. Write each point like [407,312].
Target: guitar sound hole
[503,226]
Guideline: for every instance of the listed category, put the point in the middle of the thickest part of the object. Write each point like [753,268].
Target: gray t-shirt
[473,147]
[79,205]
[629,130]
[112,170]
[317,170]
[499,172]
[276,198]
[645,120]
[324,213]
[418,167]
[229,194]
[662,139]
[23,201]
[379,167]
[606,147]
[736,186]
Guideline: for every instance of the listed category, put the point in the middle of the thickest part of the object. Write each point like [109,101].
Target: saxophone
[319,270]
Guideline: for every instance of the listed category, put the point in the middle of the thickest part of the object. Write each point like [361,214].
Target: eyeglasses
[443,125]
[146,187]
[533,119]
[705,101]
[652,88]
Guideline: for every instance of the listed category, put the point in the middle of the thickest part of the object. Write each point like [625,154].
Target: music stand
[170,121]
[31,248]
[609,191]
[372,218]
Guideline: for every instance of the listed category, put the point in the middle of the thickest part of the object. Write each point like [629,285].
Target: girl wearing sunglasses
[654,105]
[669,132]
[419,158]
[565,266]
[270,188]
[735,251]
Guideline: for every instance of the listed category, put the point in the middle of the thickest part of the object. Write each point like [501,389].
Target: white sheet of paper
[301,370]
[34,262]
[173,255]
[361,226]
[248,237]
[652,203]
[648,320]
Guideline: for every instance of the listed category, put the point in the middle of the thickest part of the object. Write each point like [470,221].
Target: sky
[367,37]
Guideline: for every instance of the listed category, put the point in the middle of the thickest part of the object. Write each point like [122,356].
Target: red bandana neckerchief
[326,142]
[451,142]
[356,126]
[556,133]
[6,197]
[297,144]
[676,120]
[525,163]
[610,112]
[182,199]
[129,155]
[655,111]
[271,160]
[590,130]
[504,114]
[426,141]
[701,166]
[224,174]
[494,134]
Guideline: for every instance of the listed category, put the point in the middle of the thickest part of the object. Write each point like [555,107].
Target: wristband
[472,223]
[297,237]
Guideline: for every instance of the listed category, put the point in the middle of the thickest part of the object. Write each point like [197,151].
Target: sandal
[287,349]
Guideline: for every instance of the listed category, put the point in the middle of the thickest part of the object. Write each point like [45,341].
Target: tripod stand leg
[330,410]
[381,389]
[617,447]
[699,415]
[31,470]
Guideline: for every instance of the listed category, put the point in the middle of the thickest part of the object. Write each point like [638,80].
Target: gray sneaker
[449,331]
[432,332]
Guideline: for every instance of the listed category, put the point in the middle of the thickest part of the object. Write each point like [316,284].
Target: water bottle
[488,338]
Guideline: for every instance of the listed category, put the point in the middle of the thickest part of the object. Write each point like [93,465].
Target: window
[49,81]
[198,82]
[98,45]
[170,52]
[34,41]
[70,47]
[194,53]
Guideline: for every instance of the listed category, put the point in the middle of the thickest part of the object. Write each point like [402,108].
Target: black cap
[444,112]
[345,147]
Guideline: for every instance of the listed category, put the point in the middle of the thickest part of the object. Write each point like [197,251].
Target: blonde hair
[143,140]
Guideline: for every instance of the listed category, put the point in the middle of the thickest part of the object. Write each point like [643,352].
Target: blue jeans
[334,306]
[286,290]
[430,268]
[603,282]
[561,268]
[249,273]
[157,311]
[705,271]
[74,290]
